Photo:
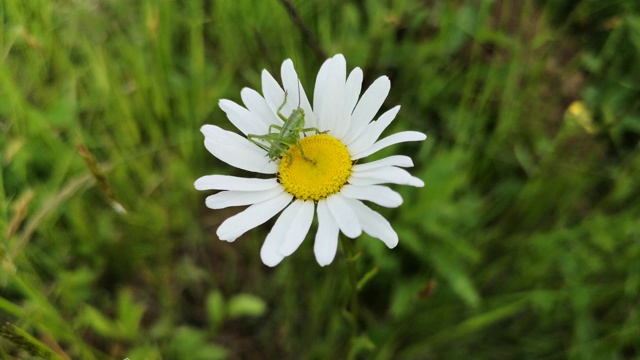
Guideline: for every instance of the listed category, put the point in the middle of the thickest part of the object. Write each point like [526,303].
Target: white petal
[260,109]
[226,199]
[344,216]
[273,93]
[291,91]
[332,116]
[292,85]
[377,194]
[385,175]
[298,226]
[326,242]
[368,107]
[237,151]
[352,93]
[373,131]
[400,137]
[226,182]
[254,215]
[243,119]
[269,253]
[374,224]
[319,90]
[394,160]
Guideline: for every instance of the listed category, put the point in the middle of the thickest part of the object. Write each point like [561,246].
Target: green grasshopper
[281,138]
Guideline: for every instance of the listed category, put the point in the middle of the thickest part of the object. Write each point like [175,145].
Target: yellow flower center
[319,170]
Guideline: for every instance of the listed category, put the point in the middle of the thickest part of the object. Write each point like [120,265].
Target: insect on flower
[281,138]
[326,182]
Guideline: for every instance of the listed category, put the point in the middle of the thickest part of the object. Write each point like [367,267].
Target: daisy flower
[318,175]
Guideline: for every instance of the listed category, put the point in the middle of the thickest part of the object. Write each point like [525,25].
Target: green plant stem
[347,246]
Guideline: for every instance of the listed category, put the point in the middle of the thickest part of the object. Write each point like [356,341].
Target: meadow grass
[524,243]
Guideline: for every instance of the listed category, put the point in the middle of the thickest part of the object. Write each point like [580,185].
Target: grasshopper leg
[251,138]
[281,106]
[317,131]
[274,126]
[303,155]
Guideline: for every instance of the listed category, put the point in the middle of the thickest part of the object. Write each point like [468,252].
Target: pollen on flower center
[325,170]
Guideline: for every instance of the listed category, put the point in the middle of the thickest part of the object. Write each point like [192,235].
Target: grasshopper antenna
[293,14]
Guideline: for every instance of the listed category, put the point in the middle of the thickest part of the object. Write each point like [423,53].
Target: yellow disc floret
[318,171]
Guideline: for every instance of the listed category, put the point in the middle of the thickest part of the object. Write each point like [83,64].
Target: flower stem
[354,307]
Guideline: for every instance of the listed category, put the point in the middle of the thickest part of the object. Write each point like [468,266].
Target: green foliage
[523,244]
[24,341]
[189,343]
[245,305]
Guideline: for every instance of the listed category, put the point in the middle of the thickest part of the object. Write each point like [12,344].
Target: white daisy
[331,184]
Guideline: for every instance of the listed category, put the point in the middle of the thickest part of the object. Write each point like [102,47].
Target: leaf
[129,314]
[215,308]
[366,277]
[25,341]
[246,305]
[99,323]
[189,343]
[459,280]
[359,345]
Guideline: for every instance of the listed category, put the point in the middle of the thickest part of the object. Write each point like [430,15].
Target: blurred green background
[524,243]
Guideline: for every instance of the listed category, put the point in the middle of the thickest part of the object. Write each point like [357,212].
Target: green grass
[528,225]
